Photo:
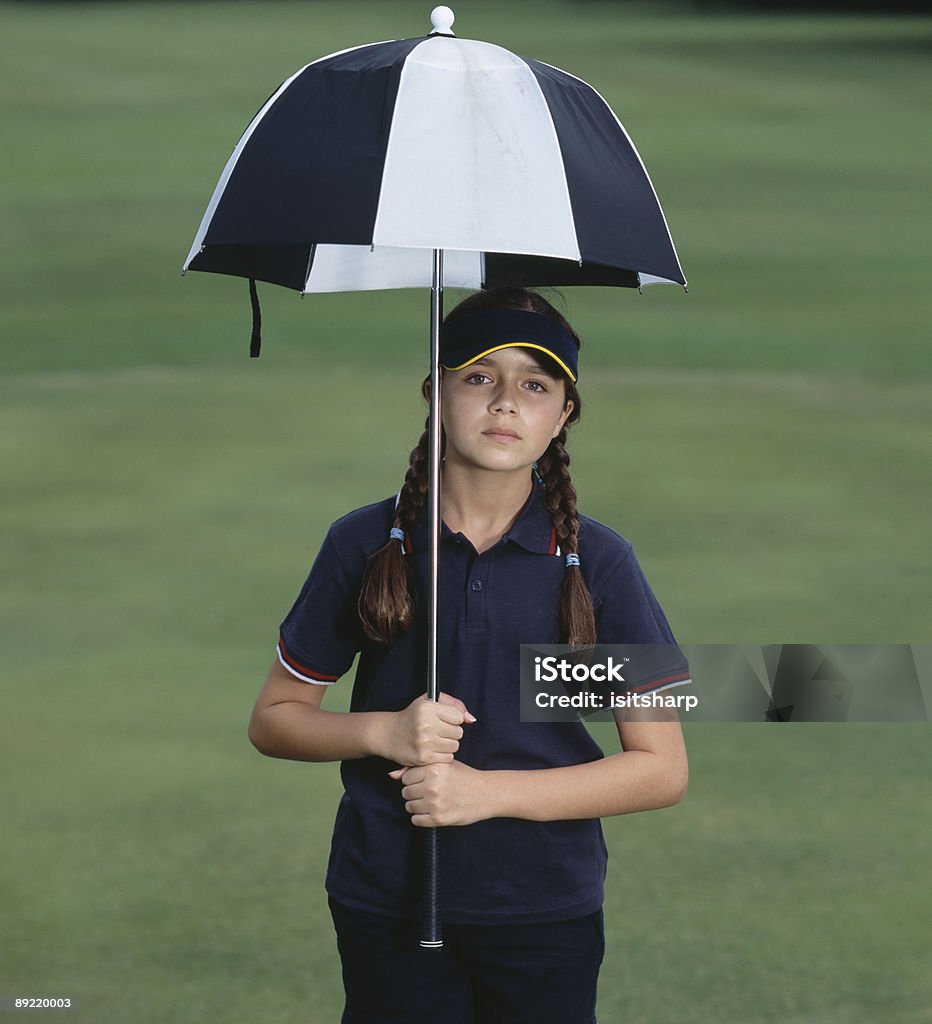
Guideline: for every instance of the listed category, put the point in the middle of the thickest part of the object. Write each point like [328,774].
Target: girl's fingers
[450,713]
[449,730]
[407,776]
[446,698]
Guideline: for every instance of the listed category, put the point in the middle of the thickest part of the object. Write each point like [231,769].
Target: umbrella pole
[431,936]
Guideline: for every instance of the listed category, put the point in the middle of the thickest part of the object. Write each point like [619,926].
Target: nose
[504,399]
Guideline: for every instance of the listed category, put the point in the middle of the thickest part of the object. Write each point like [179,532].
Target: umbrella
[364,162]
[427,162]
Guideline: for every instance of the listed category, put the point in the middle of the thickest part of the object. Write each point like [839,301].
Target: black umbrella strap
[255,343]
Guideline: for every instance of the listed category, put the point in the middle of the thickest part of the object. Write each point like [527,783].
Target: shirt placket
[477,589]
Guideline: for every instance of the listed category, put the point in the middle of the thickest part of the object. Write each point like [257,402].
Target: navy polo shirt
[503,869]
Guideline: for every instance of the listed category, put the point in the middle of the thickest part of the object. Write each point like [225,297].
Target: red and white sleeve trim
[665,683]
[299,671]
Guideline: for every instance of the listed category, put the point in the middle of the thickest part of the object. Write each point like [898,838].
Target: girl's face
[502,411]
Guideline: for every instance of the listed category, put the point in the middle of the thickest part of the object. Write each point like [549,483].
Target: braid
[577,617]
[413,495]
[559,492]
[386,598]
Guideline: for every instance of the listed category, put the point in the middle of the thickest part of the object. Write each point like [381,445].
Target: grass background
[763,440]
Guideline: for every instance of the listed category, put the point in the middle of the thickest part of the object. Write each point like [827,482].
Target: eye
[538,387]
[477,378]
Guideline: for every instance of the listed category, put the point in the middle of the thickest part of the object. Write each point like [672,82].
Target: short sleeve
[628,613]
[321,635]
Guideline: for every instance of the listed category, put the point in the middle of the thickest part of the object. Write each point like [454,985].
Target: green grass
[762,440]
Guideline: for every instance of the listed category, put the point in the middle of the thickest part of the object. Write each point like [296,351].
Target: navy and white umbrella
[428,162]
[364,162]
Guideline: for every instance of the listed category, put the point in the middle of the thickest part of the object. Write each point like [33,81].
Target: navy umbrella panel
[364,162]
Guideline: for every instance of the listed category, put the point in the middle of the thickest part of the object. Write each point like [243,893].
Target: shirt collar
[532,530]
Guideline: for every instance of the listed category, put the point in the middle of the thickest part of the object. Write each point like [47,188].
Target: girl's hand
[426,731]
[444,794]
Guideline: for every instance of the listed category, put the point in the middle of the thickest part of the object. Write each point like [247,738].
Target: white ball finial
[441,20]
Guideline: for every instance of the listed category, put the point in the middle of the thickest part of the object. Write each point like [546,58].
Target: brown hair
[386,601]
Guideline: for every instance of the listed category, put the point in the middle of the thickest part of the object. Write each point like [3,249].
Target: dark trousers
[484,974]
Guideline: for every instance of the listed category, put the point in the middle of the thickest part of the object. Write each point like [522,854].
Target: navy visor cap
[467,338]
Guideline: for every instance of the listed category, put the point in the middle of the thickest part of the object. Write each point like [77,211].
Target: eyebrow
[528,367]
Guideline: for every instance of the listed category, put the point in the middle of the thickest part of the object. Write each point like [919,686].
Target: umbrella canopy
[365,161]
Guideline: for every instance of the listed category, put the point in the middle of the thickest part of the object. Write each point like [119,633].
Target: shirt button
[477,585]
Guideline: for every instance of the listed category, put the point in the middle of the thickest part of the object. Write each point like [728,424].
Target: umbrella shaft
[431,934]
[433,478]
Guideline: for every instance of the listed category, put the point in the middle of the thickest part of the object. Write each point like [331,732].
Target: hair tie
[572,559]
[396,533]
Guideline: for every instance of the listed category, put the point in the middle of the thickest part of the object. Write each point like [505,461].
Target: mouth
[501,434]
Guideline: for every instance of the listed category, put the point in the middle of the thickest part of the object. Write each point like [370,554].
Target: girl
[522,857]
